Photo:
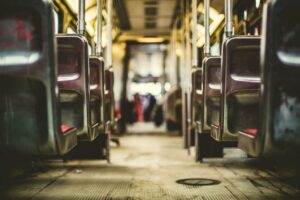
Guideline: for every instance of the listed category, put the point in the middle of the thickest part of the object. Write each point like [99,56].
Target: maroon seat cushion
[250,131]
[65,128]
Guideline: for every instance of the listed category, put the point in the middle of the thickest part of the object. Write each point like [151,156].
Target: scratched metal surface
[146,167]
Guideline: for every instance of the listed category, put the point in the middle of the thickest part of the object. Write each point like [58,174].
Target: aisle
[147,167]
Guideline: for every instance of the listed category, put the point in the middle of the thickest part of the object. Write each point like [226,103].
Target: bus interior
[149,99]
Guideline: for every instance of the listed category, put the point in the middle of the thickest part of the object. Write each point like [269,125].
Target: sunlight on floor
[145,127]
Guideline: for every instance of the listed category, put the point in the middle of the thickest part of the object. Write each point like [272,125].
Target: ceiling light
[150,39]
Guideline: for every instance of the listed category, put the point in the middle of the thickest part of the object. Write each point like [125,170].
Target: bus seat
[109,97]
[196,96]
[173,109]
[74,84]
[30,117]
[97,90]
[240,87]
[211,92]
[280,63]
[278,130]
[206,147]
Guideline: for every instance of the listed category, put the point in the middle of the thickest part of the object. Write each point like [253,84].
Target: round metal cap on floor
[198,181]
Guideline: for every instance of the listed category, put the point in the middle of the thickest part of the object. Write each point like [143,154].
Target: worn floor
[146,166]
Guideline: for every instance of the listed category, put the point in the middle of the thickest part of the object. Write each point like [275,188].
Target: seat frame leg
[86,150]
[207,147]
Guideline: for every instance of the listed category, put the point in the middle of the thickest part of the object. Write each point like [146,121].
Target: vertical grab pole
[228,18]
[99,29]
[99,53]
[194,66]
[109,61]
[81,17]
[182,41]
[182,68]
[93,44]
[188,76]
[175,51]
[109,34]
[207,28]
[172,49]
[194,40]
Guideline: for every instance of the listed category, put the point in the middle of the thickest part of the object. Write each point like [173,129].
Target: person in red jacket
[139,108]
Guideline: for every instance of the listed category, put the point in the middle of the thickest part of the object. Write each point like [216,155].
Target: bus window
[70,30]
[215,49]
